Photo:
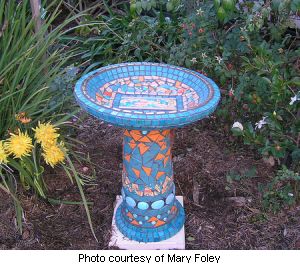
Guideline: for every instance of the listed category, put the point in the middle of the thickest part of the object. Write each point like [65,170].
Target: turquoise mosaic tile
[147,95]
[147,99]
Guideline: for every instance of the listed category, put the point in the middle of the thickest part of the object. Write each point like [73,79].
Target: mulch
[219,214]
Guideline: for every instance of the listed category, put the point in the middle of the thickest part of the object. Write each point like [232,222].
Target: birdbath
[148,100]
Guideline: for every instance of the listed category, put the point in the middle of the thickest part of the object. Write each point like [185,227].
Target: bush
[254,55]
[124,35]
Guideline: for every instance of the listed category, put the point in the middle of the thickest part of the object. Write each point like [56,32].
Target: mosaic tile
[148,100]
[147,88]
[149,194]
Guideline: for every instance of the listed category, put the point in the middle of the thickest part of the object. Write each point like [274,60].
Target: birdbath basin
[148,100]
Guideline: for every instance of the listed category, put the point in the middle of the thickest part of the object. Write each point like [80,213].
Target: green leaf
[267,80]
[217,3]
[237,131]
[296,155]
[228,5]
[139,7]
[275,4]
[294,81]
[221,14]
[149,6]
[250,128]
[39,188]
[170,6]
[56,201]
[295,5]
[144,4]
[79,185]
[132,9]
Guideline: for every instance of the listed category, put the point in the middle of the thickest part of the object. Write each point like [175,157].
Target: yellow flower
[3,154]
[19,144]
[54,154]
[46,134]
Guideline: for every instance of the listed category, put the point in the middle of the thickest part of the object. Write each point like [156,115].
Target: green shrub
[253,55]
[267,89]
[283,191]
[123,35]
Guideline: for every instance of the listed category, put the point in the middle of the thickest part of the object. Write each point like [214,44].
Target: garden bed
[220,214]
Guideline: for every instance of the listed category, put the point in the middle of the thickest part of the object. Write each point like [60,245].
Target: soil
[219,214]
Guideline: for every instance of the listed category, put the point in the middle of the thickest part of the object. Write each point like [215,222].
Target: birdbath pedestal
[148,100]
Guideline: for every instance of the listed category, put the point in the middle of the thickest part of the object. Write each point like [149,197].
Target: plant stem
[36,14]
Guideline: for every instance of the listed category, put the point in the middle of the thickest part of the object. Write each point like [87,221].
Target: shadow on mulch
[219,215]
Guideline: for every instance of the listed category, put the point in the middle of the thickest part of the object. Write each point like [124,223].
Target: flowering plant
[34,84]
[23,153]
[253,56]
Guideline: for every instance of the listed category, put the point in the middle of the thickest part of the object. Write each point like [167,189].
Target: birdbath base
[149,211]
[120,241]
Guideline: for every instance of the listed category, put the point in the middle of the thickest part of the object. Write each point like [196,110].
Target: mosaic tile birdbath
[148,100]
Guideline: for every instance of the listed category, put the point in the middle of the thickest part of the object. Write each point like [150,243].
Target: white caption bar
[72,257]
